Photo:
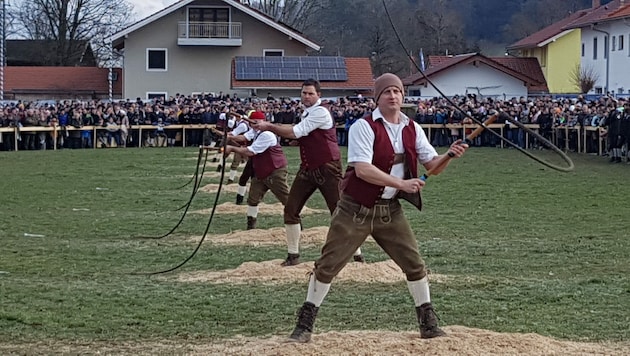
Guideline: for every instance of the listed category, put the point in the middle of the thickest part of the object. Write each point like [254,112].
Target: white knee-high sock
[293,237]
[419,291]
[357,252]
[252,211]
[317,291]
[241,190]
[232,174]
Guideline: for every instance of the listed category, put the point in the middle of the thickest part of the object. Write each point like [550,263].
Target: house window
[595,48]
[599,90]
[621,43]
[543,57]
[208,14]
[156,59]
[605,47]
[209,22]
[157,95]
[582,49]
[619,90]
[614,43]
[273,52]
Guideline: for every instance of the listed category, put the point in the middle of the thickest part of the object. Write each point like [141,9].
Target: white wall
[465,78]
[618,61]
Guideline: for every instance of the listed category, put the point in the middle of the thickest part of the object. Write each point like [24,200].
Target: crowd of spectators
[119,120]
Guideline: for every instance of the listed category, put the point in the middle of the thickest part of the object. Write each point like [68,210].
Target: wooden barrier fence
[583,133]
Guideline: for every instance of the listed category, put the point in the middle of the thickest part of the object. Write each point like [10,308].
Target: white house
[474,73]
[606,45]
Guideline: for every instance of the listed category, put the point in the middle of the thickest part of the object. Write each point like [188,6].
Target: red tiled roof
[612,10]
[528,66]
[437,60]
[548,32]
[623,11]
[359,78]
[525,69]
[60,79]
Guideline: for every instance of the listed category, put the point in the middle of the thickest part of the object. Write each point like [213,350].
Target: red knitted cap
[257,115]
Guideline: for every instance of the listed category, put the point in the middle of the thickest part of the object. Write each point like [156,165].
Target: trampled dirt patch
[263,209]
[212,188]
[271,272]
[267,237]
[459,341]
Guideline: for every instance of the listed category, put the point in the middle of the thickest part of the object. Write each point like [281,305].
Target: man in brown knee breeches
[269,168]
[384,150]
[320,167]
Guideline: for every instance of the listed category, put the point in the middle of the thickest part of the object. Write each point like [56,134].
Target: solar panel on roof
[290,68]
[249,73]
[271,74]
[308,72]
[289,73]
[272,64]
[328,62]
[309,62]
[292,64]
[291,60]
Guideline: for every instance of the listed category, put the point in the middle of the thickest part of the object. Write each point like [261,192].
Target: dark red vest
[265,163]
[319,147]
[367,194]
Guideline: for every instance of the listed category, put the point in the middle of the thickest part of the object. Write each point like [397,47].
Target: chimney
[596,4]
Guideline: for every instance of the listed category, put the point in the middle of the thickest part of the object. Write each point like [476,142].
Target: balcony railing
[209,31]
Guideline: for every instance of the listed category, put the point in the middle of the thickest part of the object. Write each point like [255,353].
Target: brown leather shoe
[304,326]
[292,260]
[428,321]
[251,222]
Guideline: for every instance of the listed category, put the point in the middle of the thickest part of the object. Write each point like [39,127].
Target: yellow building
[558,51]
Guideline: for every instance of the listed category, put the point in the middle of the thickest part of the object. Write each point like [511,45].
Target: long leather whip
[570,166]
[205,233]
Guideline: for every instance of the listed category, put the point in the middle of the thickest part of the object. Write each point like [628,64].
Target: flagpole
[422,64]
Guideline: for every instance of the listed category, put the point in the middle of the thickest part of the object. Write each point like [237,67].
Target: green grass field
[542,252]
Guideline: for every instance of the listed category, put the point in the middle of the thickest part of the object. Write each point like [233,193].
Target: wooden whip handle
[447,157]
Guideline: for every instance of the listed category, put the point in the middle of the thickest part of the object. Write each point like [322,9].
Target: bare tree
[438,22]
[536,15]
[70,23]
[584,78]
[296,14]
[385,53]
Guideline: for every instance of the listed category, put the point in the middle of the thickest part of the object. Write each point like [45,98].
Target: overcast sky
[144,8]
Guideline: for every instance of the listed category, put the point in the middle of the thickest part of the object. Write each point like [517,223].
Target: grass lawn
[542,252]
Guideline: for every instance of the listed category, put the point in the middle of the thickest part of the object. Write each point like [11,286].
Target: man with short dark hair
[320,168]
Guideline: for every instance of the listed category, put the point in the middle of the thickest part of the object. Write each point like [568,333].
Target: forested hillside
[361,27]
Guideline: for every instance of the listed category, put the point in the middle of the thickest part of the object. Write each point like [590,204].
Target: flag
[422,60]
